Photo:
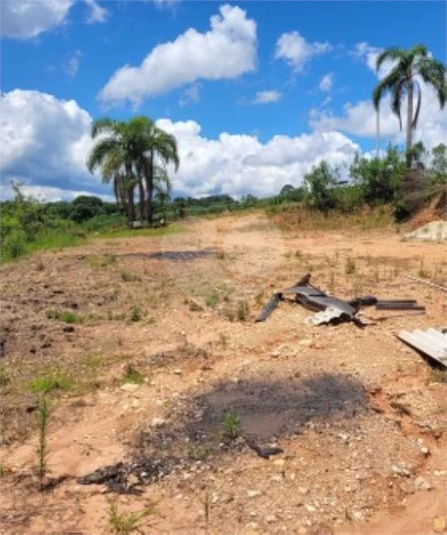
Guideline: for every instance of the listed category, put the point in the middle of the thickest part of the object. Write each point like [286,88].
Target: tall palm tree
[401,81]
[114,150]
[162,148]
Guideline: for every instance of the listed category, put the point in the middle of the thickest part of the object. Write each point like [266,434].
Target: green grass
[66,316]
[5,377]
[124,524]
[132,375]
[100,261]
[136,314]
[242,311]
[48,384]
[212,298]
[126,276]
[135,233]
[231,424]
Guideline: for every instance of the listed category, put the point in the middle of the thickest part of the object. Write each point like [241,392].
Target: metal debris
[432,343]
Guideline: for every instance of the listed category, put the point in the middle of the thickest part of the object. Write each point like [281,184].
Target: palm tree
[162,147]
[401,81]
[114,151]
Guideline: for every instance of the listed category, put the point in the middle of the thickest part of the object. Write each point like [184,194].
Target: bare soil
[360,417]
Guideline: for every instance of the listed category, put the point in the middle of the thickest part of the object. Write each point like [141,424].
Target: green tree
[117,145]
[439,164]
[320,183]
[379,178]
[401,82]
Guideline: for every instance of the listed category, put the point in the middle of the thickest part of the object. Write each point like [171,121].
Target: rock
[254,493]
[425,451]
[270,519]
[439,524]
[279,462]
[303,490]
[310,508]
[421,483]
[157,422]
[68,329]
[307,342]
[302,530]
[178,371]
[130,387]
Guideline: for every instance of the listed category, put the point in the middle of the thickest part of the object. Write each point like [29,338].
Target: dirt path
[163,362]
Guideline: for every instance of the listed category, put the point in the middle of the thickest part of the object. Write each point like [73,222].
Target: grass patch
[126,276]
[350,266]
[132,375]
[66,316]
[438,375]
[135,233]
[212,298]
[231,424]
[123,524]
[136,314]
[48,384]
[5,378]
[242,311]
[100,261]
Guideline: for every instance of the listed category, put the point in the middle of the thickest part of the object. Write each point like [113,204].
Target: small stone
[439,524]
[254,493]
[307,342]
[310,508]
[178,371]
[130,387]
[270,519]
[421,483]
[357,515]
[157,422]
[279,462]
[302,530]
[425,451]
[303,490]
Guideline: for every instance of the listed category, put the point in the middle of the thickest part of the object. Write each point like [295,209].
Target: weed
[65,316]
[136,314]
[47,384]
[126,276]
[198,452]
[101,261]
[212,298]
[231,424]
[260,299]
[350,266]
[132,375]
[194,306]
[5,378]
[223,340]
[332,281]
[437,375]
[242,311]
[43,415]
[124,524]
[298,254]
[423,273]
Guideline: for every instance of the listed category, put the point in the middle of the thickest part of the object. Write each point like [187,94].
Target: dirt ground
[164,370]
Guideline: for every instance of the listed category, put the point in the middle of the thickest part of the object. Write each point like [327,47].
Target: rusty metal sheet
[431,342]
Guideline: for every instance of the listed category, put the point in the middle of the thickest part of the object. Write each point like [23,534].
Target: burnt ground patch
[266,411]
[172,255]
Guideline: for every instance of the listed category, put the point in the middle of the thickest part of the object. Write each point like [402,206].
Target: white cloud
[237,164]
[293,48]
[326,82]
[45,141]
[72,65]
[25,19]
[265,97]
[191,95]
[369,54]
[226,51]
[360,119]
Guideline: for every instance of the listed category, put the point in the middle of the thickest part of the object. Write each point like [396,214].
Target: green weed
[47,384]
[43,415]
[136,314]
[231,424]
[123,524]
[242,311]
[132,375]
[350,266]
[212,298]
[66,316]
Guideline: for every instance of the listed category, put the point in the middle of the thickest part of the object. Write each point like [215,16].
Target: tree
[401,82]
[439,164]
[320,182]
[116,149]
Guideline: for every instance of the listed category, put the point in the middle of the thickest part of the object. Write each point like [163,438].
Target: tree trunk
[142,199]
[409,121]
[130,197]
[150,187]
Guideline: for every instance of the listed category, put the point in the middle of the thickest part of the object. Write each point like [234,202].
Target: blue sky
[256,92]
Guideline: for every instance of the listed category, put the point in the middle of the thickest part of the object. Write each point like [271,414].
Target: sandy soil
[359,416]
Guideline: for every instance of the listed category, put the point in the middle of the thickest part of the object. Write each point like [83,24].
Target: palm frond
[103,125]
[393,54]
[99,152]
[397,94]
[433,73]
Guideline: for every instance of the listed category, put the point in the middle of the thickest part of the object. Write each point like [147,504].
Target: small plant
[126,276]
[5,378]
[437,375]
[194,306]
[132,375]
[136,314]
[260,299]
[124,524]
[101,261]
[43,415]
[223,340]
[212,298]
[350,266]
[332,281]
[242,311]
[231,424]
[423,272]
[65,316]
[45,385]
[298,254]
